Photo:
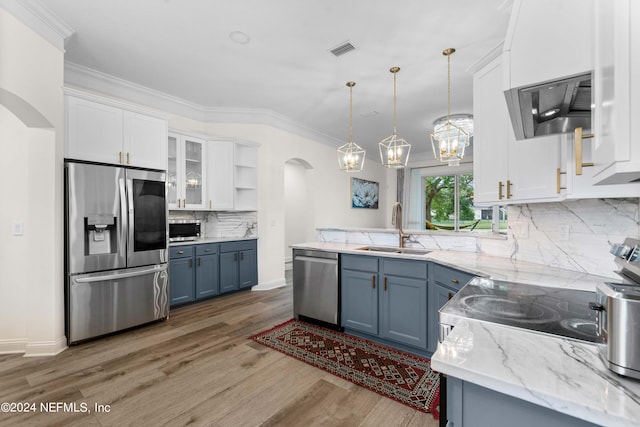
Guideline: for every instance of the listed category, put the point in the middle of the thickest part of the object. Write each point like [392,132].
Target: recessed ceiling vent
[343,48]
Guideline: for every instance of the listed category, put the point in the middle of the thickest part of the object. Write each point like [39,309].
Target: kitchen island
[561,375]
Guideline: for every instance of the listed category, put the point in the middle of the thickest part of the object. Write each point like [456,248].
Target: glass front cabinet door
[185,170]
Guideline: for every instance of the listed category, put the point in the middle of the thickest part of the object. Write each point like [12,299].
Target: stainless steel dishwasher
[316,287]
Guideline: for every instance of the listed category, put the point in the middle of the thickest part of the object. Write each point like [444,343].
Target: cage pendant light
[448,140]
[394,151]
[351,155]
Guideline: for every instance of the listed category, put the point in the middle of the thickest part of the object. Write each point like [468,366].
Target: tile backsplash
[223,223]
[575,235]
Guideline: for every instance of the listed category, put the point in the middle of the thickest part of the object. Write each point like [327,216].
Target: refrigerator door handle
[130,219]
[123,226]
[122,274]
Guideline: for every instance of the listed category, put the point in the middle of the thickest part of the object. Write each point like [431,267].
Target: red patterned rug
[389,372]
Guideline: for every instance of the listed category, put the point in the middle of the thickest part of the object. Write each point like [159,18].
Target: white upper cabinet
[616,150]
[547,40]
[186,172]
[505,170]
[99,132]
[220,175]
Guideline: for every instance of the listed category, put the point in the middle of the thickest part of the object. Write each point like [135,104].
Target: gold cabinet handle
[198,261]
[180,252]
[577,147]
[210,204]
[119,157]
[455,281]
[373,282]
[500,186]
[509,195]
[558,187]
[127,157]
[385,283]
[449,296]
[184,203]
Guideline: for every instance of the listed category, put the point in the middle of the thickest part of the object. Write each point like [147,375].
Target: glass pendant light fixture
[394,151]
[449,140]
[351,155]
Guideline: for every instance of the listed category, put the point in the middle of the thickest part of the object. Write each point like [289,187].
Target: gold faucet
[396,219]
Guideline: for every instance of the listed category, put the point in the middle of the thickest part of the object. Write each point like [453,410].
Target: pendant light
[394,151]
[449,140]
[351,155]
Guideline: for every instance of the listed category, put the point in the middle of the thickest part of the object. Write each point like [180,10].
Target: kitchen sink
[389,249]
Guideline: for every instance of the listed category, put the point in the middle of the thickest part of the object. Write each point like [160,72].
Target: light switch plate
[17,228]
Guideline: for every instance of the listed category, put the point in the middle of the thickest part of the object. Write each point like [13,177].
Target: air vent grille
[342,49]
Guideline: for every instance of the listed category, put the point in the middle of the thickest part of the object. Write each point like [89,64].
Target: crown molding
[96,81]
[40,19]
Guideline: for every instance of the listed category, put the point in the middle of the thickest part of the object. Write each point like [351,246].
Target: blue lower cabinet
[207,270]
[470,405]
[181,275]
[385,298]
[443,285]
[238,265]
[360,301]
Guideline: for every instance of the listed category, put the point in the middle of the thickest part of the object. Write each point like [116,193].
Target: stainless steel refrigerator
[115,249]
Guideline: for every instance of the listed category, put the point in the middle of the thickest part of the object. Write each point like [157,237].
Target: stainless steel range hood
[551,107]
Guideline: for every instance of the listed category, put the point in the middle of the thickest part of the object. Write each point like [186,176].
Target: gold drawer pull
[577,146]
[455,281]
[127,157]
[180,252]
[500,195]
[119,157]
[385,283]
[509,195]
[373,282]
[449,296]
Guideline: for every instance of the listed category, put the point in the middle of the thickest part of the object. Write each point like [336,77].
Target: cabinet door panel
[181,281]
[207,276]
[94,131]
[145,141]
[228,272]
[360,301]
[220,175]
[403,310]
[248,274]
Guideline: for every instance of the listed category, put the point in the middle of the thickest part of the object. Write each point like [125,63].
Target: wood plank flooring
[196,368]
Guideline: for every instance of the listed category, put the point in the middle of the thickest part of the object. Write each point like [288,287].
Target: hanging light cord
[449,87]
[350,84]
[394,100]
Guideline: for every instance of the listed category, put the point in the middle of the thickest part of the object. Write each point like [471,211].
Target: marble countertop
[481,265]
[562,374]
[211,240]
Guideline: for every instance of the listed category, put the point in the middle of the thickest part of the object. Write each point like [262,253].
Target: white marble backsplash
[223,223]
[574,235]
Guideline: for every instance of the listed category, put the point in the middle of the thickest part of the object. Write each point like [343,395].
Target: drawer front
[360,262]
[405,268]
[207,249]
[451,277]
[238,246]
[183,251]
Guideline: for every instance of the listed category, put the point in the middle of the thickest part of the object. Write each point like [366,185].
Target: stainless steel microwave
[183,229]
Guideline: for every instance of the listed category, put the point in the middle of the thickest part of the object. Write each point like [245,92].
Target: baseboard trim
[271,284]
[13,346]
[45,348]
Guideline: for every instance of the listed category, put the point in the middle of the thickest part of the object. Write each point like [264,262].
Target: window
[441,200]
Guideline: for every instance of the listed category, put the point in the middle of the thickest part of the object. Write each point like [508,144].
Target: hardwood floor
[196,368]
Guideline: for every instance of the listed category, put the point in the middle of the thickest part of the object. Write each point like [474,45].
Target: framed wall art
[364,194]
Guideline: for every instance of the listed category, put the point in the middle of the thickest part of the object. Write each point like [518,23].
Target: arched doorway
[298,213]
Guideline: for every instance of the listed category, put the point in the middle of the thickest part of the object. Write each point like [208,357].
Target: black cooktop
[556,311]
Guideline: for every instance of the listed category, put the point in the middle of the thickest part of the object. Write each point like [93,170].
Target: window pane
[468,216]
[440,202]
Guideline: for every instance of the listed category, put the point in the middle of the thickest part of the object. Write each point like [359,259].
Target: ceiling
[184,48]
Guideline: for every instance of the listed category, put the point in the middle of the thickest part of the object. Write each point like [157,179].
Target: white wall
[31,169]
[297,195]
